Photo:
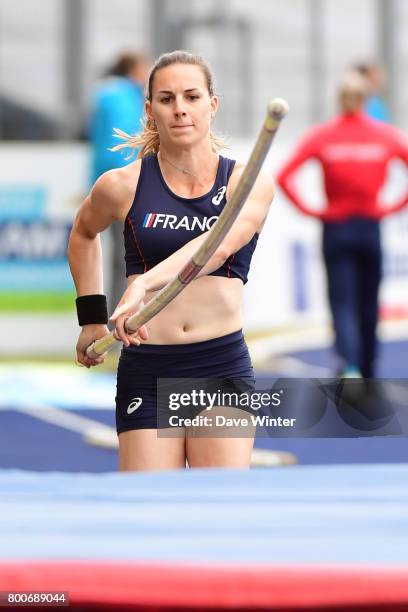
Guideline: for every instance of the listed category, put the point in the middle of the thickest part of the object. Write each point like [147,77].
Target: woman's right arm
[96,213]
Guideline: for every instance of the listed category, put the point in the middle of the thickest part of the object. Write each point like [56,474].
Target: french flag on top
[149,219]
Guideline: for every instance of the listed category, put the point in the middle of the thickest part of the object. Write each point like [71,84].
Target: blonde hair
[353,83]
[148,139]
[352,91]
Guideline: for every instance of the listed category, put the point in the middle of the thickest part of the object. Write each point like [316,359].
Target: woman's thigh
[219,452]
[227,444]
[144,449]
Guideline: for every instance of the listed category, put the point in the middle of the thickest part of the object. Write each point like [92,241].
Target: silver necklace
[183,170]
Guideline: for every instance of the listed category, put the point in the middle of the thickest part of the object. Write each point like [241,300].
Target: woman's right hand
[130,304]
[88,335]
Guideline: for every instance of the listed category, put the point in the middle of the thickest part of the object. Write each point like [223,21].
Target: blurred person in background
[117,102]
[354,152]
[167,200]
[374,106]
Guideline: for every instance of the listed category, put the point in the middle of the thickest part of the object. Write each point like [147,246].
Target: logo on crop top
[217,199]
[173,222]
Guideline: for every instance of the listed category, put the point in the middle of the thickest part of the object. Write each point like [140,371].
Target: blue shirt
[117,102]
[160,222]
[376,108]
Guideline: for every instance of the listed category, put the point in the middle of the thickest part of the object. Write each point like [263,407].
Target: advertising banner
[40,187]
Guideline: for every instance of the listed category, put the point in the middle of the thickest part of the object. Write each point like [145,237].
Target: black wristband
[92,309]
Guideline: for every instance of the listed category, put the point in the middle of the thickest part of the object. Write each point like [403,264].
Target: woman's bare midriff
[209,307]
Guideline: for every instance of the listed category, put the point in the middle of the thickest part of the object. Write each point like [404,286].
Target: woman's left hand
[130,303]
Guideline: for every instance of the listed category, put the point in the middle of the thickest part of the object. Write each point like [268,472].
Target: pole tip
[277,108]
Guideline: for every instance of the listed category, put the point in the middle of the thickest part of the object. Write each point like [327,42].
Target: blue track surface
[392,359]
[30,444]
[43,447]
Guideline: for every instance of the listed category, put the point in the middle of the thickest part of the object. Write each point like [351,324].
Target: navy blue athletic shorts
[139,368]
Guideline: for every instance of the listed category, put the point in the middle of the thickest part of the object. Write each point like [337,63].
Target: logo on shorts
[217,199]
[135,403]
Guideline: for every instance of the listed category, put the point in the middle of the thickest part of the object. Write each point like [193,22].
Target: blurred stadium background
[51,55]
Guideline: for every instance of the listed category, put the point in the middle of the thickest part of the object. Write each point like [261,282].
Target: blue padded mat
[306,514]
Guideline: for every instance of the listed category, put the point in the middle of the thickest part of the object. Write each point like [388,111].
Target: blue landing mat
[307,514]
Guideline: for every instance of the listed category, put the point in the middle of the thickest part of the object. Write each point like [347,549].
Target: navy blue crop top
[160,222]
